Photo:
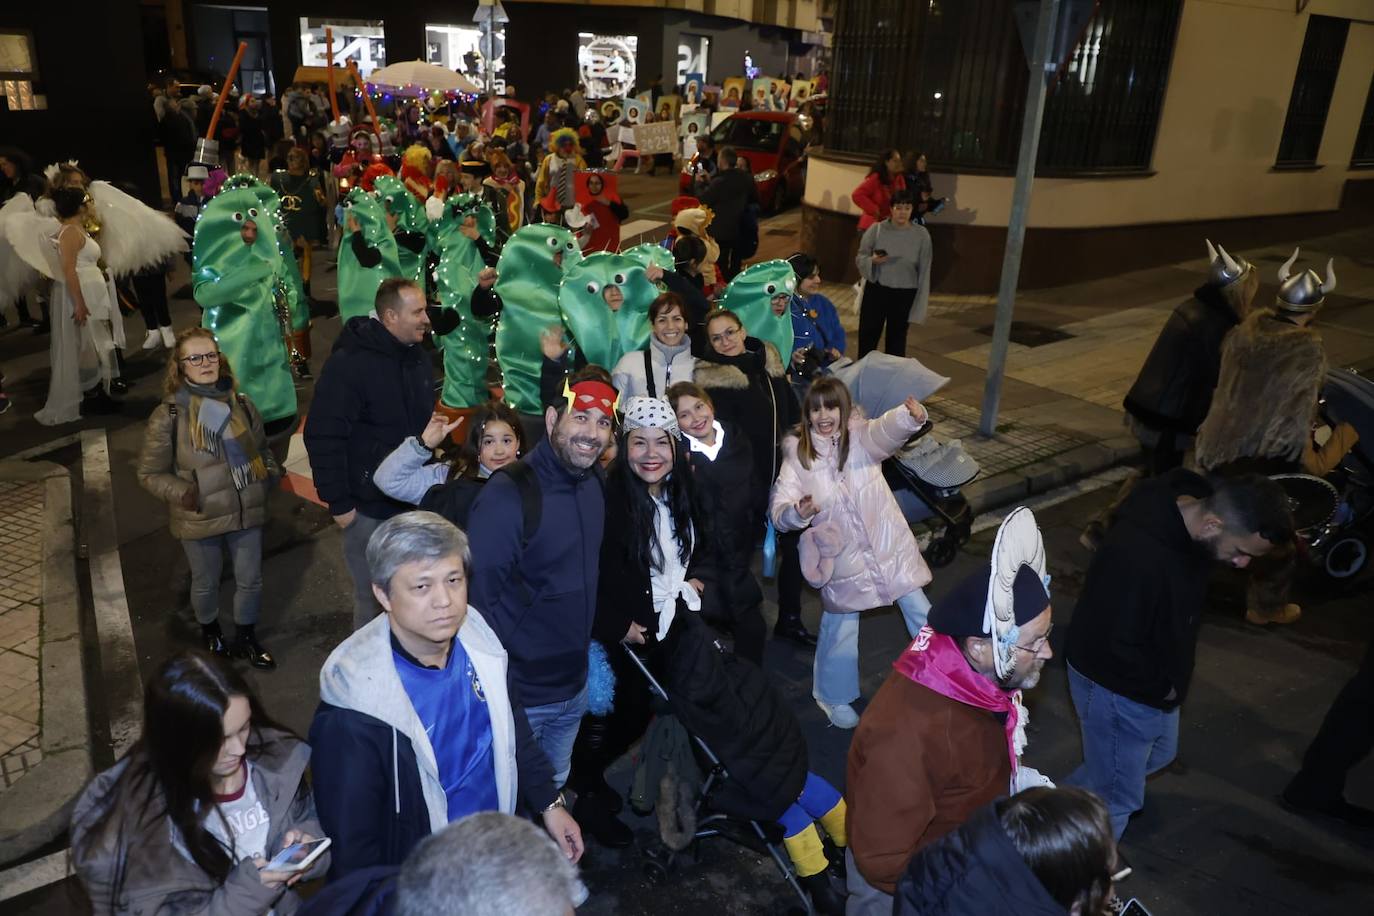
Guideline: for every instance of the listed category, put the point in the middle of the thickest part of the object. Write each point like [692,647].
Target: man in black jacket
[728,196]
[1134,632]
[375,390]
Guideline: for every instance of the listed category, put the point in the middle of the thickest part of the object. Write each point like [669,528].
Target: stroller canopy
[880,382]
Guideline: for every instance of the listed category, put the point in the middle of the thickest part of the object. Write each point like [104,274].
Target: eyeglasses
[727,334]
[1035,647]
[201,359]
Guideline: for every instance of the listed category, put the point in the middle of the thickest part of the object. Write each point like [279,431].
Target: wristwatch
[558,802]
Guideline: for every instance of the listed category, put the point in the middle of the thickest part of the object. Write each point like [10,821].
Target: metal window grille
[1363,156]
[1313,85]
[948,77]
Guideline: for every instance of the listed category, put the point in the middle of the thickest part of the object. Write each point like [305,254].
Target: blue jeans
[206,558]
[1123,742]
[836,673]
[555,729]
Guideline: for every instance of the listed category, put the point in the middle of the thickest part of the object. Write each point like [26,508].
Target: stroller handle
[663,694]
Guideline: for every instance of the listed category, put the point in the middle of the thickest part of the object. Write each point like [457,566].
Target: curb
[1042,476]
[38,813]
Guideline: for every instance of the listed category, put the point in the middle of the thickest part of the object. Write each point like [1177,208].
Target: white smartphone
[298,856]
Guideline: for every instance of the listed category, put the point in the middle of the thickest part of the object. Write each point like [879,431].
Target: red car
[770,142]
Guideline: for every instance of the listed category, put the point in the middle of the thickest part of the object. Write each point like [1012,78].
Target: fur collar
[716,371]
[1266,396]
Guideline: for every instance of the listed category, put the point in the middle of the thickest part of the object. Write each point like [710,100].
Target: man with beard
[944,734]
[1134,632]
[536,543]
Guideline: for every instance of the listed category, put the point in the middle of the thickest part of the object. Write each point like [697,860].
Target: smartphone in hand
[298,856]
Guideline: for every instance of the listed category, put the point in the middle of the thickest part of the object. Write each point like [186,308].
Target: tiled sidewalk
[21,601]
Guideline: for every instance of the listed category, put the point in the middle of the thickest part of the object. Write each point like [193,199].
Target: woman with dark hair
[894,260]
[188,819]
[856,546]
[493,440]
[746,380]
[667,359]
[873,196]
[815,321]
[87,325]
[917,177]
[205,454]
[1042,852]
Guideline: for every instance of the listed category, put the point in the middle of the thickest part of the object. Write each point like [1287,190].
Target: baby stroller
[1336,541]
[659,860]
[927,474]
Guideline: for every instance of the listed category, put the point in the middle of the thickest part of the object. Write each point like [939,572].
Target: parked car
[770,141]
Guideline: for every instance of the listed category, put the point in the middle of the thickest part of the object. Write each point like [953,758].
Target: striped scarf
[216,429]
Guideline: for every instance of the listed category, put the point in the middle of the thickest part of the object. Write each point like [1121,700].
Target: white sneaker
[841,715]
[169,337]
[152,341]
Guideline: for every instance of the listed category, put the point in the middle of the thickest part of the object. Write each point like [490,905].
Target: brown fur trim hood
[1266,396]
[711,373]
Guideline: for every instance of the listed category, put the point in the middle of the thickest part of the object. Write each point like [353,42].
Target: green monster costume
[602,335]
[465,348]
[270,203]
[750,295]
[532,265]
[245,292]
[412,225]
[358,284]
[651,253]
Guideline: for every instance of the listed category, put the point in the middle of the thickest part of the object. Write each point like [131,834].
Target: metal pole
[1020,206]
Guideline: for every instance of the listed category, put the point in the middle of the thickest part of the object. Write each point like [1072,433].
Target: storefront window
[359,40]
[18,72]
[464,48]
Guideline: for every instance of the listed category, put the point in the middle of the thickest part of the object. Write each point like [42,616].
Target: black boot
[790,626]
[212,637]
[595,818]
[824,898]
[246,645]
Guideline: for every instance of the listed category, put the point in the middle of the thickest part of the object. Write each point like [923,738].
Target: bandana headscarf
[650,413]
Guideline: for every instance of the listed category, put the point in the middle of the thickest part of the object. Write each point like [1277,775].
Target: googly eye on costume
[252,212]
[771,288]
[571,246]
[552,242]
[619,279]
[593,287]
[238,217]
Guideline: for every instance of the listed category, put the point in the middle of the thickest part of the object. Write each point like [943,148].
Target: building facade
[1168,120]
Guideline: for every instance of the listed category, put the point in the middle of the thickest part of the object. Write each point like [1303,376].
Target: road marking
[32,875]
[123,686]
[43,449]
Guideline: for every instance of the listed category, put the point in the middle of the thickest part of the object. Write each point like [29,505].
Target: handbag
[861,284]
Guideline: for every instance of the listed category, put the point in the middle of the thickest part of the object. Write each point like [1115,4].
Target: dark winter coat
[365,892]
[751,391]
[975,869]
[539,592]
[1135,628]
[729,196]
[373,392]
[733,502]
[1174,388]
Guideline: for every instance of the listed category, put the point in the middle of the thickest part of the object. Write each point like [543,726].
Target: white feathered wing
[133,236]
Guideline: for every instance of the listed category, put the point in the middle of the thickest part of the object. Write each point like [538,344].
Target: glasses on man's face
[727,334]
[201,359]
[1035,647]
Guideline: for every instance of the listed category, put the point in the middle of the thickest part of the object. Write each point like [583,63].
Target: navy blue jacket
[540,598]
[373,392]
[973,870]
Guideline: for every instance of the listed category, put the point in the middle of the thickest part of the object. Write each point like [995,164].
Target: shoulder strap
[172,412]
[531,500]
[649,373]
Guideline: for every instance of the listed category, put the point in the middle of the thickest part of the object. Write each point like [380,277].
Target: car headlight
[766,175]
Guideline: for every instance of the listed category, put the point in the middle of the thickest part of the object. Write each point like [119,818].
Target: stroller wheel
[1346,557]
[656,873]
[941,550]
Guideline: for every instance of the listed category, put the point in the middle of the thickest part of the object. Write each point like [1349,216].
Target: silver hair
[488,864]
[413,537]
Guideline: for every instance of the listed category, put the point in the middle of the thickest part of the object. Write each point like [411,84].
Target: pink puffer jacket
[880,561]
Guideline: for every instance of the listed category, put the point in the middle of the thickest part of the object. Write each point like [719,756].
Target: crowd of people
[523,552]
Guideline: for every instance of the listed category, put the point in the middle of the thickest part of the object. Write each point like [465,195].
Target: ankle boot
[790,626]
[212,637]
[824,898]
[246,645]
[596,819]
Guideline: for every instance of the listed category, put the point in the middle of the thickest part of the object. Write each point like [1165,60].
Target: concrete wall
[1219,131]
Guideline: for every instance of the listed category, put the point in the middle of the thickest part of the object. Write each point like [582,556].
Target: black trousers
[729,260]
[789,577]
[151,289]
[1345,738]
[884,306]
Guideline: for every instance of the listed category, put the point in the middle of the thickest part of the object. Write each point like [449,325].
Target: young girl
[211,791]
[731,499]
[409,473]
[858,551]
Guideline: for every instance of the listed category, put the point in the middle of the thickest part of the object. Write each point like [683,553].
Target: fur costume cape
[1266,397]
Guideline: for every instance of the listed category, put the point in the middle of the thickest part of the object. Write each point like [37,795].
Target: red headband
[592,395]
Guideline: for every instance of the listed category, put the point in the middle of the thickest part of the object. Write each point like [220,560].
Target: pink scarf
[933,660]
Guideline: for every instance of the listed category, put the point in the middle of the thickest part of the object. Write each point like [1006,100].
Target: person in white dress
[86,323]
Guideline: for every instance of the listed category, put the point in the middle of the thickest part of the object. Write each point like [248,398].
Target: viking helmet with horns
[1302,293]
[1223,269]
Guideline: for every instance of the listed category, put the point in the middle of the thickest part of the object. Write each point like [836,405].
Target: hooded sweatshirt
[376,776]
[975,869]
[1135,628]
[373,392]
